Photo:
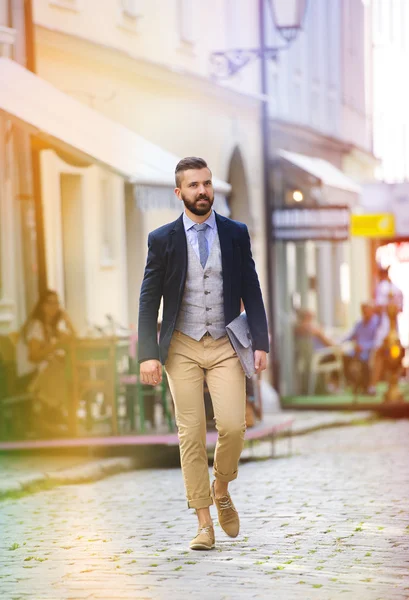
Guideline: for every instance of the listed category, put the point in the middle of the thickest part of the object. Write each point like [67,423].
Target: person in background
[363,335]
[307,327]
[386,292]
[309,338]
[40,352]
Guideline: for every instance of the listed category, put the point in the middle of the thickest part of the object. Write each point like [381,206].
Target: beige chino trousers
[187,365]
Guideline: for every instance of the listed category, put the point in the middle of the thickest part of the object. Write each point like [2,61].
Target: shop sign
[329,223]
[374,226]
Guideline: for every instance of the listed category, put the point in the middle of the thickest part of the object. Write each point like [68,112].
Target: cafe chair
[324,362]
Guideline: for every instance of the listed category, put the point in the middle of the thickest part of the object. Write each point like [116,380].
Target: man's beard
[197,208]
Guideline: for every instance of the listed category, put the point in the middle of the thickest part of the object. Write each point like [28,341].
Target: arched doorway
[239,201]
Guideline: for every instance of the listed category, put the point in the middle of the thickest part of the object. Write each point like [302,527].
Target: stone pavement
[329,522]
[24,472]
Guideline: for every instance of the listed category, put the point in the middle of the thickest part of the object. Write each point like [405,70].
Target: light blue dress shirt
[191,234]
[364,334]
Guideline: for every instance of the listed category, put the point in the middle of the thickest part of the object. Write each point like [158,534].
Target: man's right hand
[151,372]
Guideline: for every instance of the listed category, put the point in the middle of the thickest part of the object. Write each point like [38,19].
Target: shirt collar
[210,221]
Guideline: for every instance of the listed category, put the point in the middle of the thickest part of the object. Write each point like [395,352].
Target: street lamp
[287,17]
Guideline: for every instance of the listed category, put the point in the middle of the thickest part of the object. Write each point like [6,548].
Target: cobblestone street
[331,521]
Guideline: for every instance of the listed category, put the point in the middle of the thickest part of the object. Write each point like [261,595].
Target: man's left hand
[260,360]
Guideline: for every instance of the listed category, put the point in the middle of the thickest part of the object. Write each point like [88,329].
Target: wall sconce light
[298,196]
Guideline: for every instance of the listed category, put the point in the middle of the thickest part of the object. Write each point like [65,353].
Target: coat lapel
[179,254]
[226,247]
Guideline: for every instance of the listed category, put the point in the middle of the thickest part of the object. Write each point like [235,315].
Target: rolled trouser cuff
[200,502]
[225,478]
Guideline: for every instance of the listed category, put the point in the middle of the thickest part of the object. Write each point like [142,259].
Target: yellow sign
[380,225]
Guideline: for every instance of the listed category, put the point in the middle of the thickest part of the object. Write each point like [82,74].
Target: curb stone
[262,448]
[74,475]
[100,469]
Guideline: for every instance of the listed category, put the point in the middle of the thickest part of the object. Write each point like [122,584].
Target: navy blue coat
[165,276]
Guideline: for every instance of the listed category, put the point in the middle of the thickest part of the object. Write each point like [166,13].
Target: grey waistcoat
[202,307]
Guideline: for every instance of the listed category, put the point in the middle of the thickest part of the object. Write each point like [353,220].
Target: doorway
[239,201]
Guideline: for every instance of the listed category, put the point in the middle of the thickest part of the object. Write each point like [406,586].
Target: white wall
[306,82]
[320,81]
[356,73]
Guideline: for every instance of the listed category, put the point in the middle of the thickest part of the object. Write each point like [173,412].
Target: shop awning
[329,175]
[62,122]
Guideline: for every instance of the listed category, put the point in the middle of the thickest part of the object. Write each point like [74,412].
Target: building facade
[124,88]
[321,151]
[389,195]
[145,66]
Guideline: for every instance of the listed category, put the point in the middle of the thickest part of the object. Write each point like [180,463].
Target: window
[4,15]
[131,8]
[379,18]
[234,25]
[187,21]
[130,12]
[68,4]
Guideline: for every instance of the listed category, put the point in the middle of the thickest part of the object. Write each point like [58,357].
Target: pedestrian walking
[202,267]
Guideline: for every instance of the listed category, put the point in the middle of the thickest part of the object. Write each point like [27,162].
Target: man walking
[202,267]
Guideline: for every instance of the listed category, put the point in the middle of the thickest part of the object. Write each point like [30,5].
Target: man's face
[196,190]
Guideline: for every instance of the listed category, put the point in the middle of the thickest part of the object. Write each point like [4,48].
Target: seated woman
[309,337]
[40,352]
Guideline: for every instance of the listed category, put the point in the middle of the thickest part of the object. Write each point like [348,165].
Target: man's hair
[190,162]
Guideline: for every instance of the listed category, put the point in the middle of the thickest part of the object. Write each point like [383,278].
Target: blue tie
[201,238]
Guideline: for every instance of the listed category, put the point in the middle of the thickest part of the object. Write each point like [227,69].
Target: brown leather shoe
[228,515]
[204,539]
